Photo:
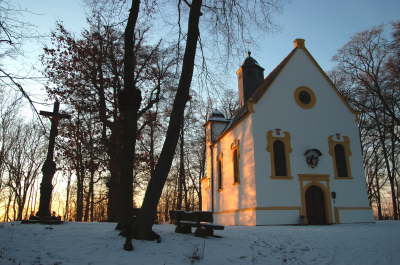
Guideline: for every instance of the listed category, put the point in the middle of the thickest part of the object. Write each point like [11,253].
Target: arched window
[219,172]
[235,166]
[279,148]
[279,158]
[339,149]
[341,164]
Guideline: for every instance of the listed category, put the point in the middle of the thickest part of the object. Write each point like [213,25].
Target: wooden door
[315,204]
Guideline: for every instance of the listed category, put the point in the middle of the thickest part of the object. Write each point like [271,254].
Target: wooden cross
[49,166]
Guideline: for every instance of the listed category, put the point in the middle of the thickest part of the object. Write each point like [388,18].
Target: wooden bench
[184,222]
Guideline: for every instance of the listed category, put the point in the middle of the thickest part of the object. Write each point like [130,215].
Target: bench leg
[202,231]
[183,229]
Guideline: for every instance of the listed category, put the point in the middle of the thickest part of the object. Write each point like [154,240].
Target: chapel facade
[290,155]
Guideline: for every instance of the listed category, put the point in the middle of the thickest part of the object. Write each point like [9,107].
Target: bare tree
[364,76]
[228,18]
[23,165]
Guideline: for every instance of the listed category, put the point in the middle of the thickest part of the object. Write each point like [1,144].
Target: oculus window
[305,97]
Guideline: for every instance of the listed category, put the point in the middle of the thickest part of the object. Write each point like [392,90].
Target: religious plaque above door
[312,157]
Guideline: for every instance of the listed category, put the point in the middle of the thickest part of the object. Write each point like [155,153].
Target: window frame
[313,98]
[220,174]
[345,142]
[235,162]
[285,139]
[275,151]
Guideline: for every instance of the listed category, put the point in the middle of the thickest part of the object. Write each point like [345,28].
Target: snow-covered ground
[99,243]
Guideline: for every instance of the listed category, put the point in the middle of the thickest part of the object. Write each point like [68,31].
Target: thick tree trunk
[152,196]
[20,205]
[129,100]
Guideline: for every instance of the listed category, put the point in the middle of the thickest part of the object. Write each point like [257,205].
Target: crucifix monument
[49,168]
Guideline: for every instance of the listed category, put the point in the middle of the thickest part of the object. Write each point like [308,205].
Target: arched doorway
[315,205]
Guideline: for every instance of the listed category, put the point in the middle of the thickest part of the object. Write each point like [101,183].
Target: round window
[305,97]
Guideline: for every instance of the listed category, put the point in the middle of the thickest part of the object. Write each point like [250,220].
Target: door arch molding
[322,182]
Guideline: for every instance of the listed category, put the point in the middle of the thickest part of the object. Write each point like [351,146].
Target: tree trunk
[13,208]
[202,169]
[129,100]
[113,184]
[28,204]
[389,171]
[113,187]
[87,207]
[33,207]
[79,194]
[393,184]
[378,197]
[91,197]
[181,175]
[66,212]
[6,215]
[153,192]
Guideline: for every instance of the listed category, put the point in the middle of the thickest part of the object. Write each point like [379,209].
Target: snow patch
[99,243]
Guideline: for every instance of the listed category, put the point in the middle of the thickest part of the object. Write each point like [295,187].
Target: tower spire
[250,75]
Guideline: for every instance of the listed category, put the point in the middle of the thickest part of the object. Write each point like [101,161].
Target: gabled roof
[299,44]
[271,77]
[344,100]
[267,82]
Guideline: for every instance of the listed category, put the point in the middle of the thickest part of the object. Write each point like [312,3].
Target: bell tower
[250,75]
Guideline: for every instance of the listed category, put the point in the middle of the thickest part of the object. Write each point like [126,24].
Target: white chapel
[290,155]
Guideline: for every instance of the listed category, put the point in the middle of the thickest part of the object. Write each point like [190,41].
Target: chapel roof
[266,83]
[271,77]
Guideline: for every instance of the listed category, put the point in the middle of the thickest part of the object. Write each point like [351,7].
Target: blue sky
[325,25]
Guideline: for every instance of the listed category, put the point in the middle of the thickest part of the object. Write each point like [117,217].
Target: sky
[325,25]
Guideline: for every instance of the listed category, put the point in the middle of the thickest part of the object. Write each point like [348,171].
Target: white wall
[277,217]
[309,128]
[242,195]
